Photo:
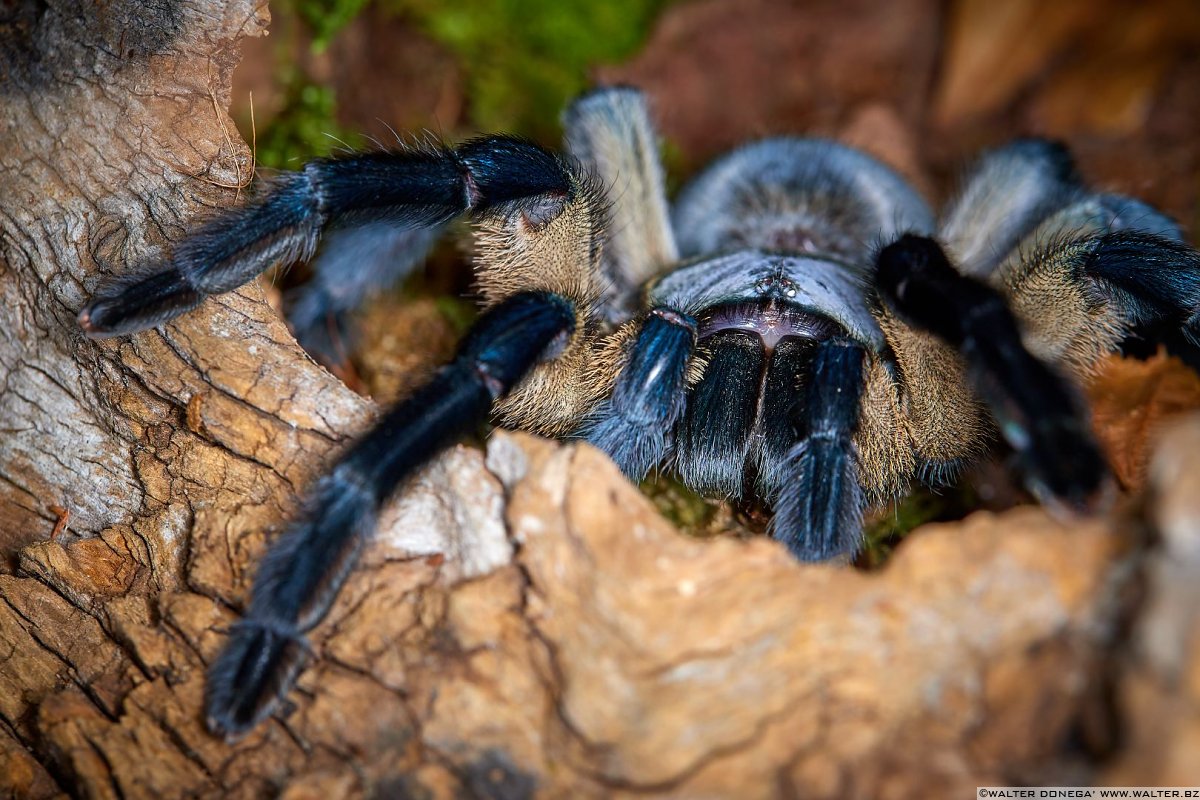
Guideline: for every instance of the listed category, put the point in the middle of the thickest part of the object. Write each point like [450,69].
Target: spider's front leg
[408,189]
[1038,414]
[302,572]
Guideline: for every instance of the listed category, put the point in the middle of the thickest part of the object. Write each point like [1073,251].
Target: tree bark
[528,626]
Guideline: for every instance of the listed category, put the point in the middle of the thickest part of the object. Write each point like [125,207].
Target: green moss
[524,59]
[306,127]
[326,17]
[458,311]
[883,532]
[690,512]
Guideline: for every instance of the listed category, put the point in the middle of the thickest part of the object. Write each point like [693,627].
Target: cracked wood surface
[591,650]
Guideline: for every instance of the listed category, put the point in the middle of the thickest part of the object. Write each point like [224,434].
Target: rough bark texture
[528,626]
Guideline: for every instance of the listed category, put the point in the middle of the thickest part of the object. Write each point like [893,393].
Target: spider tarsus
[818,514]
[254,670]
[137,302]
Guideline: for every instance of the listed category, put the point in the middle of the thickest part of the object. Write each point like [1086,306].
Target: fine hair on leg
[610,132]
[414,188]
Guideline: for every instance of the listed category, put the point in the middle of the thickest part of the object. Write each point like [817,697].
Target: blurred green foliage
[524,59]
[458,311]
[306,127]
[324,17]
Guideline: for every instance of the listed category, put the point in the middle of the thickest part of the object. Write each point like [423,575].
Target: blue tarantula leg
[818,508]
[411,188]
[302,571]
[1038,415]
[1153,279]
[650,393]
[716,431]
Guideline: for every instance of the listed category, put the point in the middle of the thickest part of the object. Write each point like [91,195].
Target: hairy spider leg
[1156,283]
[607,130]
[819,499]
[1110,285]
[1108,289]
[635,424]
[783,407]
[303,570]
[412,188]
[1038,415]
[1024,216]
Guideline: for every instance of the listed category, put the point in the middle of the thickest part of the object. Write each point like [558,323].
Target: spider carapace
[797,327]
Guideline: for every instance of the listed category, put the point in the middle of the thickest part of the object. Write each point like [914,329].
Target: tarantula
[796,328]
